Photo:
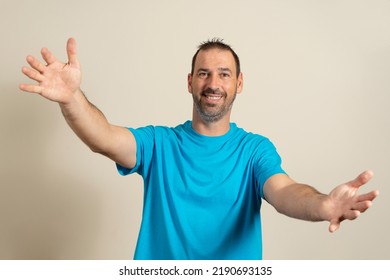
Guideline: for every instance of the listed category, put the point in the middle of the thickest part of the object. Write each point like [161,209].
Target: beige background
[316,82]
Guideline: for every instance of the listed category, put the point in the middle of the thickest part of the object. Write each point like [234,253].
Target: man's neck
[216,128]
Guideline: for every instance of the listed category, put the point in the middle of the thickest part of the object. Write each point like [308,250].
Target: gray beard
[210,117]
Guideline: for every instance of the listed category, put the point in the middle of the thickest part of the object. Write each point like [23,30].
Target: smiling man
[214,81]
[205,179]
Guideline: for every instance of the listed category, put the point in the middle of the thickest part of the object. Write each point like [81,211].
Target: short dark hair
[216,43]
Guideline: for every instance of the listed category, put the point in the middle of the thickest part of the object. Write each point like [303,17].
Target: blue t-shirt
[202,194]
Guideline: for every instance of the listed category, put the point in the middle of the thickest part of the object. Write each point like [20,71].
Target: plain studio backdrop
[317,83]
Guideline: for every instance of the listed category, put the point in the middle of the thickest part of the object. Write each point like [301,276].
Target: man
[204,179]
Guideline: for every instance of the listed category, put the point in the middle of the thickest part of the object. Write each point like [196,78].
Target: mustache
[213,91]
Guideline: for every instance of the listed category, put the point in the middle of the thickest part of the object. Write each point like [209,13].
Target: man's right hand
[60,82]
[57,81]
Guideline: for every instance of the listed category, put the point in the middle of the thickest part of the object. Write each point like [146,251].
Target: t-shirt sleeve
[144,138]
[267,164]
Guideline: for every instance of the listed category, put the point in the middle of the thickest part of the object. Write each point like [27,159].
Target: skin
[214,76]
[213,87]
[59,82]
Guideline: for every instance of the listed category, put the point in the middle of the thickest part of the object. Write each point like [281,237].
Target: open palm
[346,204]
[57,81]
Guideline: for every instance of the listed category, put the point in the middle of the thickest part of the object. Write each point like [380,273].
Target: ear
[240,83]
[189,83]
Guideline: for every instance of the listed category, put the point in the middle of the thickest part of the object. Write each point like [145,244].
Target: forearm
[294,199]
[302,202]
[60,82]
[87,121]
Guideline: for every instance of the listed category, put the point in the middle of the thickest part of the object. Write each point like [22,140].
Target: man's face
[214,84]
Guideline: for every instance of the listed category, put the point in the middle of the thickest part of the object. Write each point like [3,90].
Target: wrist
[324,208]
[73,104]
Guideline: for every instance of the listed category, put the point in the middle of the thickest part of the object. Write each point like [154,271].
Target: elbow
[95,149]
[280,209]
[98,150]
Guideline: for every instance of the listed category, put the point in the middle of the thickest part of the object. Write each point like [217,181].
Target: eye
[202,74]
[225,75]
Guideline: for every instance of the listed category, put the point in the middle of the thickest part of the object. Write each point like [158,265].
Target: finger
[362,179]
[48,56]
[351,214]
[32,74]
[334,225]
[362,206]
[368,196]
[31,88]
[35,63]
[71,50]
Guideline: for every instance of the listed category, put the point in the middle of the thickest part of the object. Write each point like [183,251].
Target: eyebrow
[224,69]
[221,69]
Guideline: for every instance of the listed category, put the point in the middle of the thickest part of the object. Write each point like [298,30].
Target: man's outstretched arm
[60,82]
[305,202]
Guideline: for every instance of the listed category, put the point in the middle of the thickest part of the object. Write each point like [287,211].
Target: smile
[213,97]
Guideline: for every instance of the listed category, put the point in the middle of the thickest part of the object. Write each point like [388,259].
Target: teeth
[213,97]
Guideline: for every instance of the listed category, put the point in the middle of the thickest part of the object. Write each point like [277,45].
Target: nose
[213,82]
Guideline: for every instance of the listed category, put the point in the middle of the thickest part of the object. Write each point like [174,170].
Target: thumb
[362,179]
[71,50]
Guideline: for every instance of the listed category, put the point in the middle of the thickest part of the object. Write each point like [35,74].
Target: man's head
[214,81]
[216,43]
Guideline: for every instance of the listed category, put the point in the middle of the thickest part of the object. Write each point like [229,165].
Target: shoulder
[157,131]
[251,137]
[257,145]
